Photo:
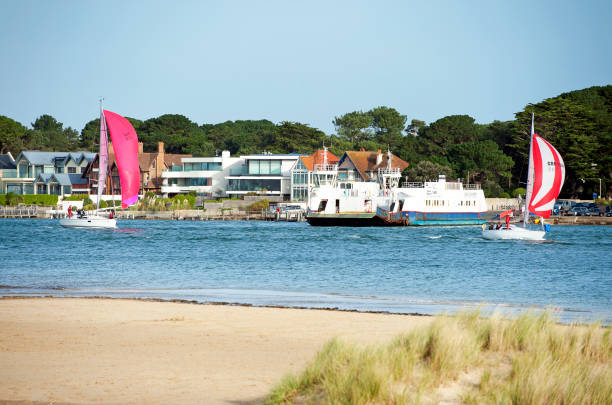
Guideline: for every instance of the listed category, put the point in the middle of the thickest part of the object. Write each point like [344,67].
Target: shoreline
[173,216]
[75,350]
[564,316]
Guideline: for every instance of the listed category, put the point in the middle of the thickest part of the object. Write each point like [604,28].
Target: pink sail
[125,145]
[547,176]
[102,158]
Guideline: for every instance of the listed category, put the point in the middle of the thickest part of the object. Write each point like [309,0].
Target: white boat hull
[515,232]
[89,222]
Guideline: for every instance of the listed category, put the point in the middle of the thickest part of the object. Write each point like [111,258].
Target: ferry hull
[406,218]
[365,219]
[415,218]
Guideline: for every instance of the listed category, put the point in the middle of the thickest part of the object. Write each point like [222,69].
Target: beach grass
[465,358]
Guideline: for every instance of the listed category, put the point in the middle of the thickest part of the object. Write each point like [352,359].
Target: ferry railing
[408,184]
[389,172]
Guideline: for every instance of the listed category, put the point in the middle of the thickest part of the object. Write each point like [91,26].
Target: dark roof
[7,162]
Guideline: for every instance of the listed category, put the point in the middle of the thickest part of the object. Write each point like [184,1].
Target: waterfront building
[152,165]
[364,165]
[303,168]
[33,170]
[264,174]
[8,170]
[205,176]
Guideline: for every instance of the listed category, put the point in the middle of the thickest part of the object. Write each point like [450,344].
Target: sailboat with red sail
[125,146]
[545,178]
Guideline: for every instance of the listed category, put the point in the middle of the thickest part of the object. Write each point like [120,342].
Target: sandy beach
[65,350]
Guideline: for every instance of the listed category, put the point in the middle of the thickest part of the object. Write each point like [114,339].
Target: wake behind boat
[125,145]
[545,178]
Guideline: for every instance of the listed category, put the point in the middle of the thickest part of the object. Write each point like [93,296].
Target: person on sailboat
[69,211]
[507,221]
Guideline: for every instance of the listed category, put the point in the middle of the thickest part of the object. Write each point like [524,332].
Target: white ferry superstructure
[384,202]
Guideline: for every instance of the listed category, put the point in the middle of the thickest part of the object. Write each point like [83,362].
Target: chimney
[378,157]
[160,148]
[140,148]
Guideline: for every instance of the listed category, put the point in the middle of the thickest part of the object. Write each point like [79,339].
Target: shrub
[504,195]
[259,205]
[12,198]
[519,191]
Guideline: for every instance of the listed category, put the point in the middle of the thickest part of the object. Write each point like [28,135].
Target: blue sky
[305,61]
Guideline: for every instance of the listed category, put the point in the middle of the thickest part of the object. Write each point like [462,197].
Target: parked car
[565,205]
[594,212]
[577,211]
[608,211]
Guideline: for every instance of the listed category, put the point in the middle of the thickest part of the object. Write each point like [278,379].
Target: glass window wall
[254,185]
[264,167]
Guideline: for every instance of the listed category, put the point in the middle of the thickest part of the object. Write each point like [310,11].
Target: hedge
[34,199]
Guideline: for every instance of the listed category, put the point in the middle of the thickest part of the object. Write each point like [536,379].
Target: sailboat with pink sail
[125,146]
[545,178]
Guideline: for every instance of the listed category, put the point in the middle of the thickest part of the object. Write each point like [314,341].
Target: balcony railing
[238,171]
[325,168]
[471,186]
[8,173]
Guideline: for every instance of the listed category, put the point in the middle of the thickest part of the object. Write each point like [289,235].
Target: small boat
[125,145]
[545,178]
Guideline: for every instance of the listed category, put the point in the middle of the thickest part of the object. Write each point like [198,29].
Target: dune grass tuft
[547,363]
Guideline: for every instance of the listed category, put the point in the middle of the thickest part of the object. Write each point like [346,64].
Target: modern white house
[266,174]
[204,175]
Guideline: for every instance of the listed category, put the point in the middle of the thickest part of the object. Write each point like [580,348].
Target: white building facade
[205,176]
[265,174]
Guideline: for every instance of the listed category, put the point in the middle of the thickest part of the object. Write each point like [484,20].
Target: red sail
[548,176]
[125,146]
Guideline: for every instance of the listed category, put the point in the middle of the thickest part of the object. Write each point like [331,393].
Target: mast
[529,187]
[102,156]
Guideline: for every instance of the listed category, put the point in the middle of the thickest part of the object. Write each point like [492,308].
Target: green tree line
[577,123]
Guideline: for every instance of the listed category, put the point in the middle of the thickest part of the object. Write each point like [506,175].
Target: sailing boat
[125,145]
[545,178]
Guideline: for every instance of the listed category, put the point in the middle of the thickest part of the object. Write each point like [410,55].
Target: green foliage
[263,204]
[388,125]
[182,201]
[354,126]
[13,136]
[519,191]
[76,197]
[40,199]
[426,171]
[12,199]
[504,195]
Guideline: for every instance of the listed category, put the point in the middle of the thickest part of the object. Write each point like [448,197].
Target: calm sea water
[406,270]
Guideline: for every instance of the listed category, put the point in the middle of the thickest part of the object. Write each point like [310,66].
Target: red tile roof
[365,161]
[317,158]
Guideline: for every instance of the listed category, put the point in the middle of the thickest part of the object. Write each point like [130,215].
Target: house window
[59,170]
[72,170]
